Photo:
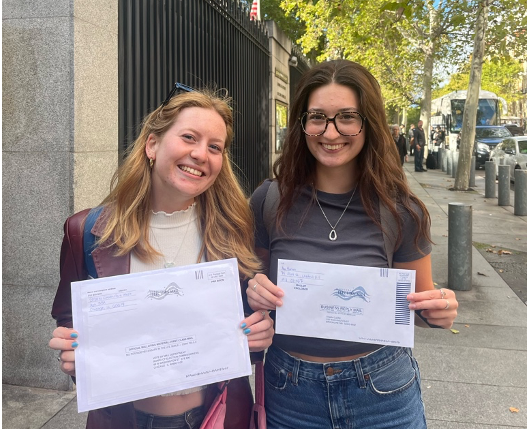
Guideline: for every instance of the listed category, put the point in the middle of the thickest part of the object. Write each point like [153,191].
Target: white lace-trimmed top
[176,235]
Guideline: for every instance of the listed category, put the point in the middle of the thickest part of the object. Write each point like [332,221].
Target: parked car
[514,151]
[487,137]
[516,130]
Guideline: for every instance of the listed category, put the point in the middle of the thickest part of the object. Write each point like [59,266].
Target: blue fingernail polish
[243,325]
[247,331]
[74,335]
[75,344]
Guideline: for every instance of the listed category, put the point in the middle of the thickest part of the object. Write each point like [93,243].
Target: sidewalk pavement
[470,380]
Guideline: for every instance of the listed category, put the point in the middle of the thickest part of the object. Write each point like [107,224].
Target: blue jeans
[379,390]
[418,159]
[190,419]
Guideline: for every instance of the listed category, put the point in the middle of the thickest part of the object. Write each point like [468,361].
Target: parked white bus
[447,111]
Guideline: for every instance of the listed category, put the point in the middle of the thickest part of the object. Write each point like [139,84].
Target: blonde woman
[174,201]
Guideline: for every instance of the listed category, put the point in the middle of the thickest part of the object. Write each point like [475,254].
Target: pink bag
[215,417]
[258,419]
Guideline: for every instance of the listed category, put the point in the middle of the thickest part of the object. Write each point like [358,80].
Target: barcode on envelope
[384,272]
[402,312]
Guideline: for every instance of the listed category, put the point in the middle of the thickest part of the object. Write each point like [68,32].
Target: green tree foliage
[394,38]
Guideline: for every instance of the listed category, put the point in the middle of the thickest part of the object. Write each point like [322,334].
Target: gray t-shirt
[306,238]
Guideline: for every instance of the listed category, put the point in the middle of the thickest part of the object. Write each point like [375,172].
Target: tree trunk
[468,130]
[428,51]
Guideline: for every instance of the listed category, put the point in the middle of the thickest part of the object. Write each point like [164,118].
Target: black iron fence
[198,43]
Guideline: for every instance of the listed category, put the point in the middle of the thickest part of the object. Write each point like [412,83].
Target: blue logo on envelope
[346,295]
[171,289]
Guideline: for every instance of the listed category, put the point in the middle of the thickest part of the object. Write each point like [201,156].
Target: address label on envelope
[346,302]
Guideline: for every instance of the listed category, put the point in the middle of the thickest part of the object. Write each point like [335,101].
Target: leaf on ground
[492,245]
[482,274]
[444,235]
[504,252]
[501,271]
[489,250]
[514,410]
[467,326]
[518,238]
[454,331]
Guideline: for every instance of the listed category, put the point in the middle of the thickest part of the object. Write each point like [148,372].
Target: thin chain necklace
[333,234]
[172,263]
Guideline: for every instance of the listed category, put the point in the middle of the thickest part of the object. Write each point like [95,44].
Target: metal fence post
[455,158]
[504,185]
[449,163]
[459,246]
[490,179]
[444,160]
[520,192]
[472,180]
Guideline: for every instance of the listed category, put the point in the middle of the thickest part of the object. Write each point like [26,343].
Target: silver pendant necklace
[333,234]
[170,264]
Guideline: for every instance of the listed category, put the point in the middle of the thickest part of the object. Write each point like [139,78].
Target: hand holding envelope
[342,302]
[167,334]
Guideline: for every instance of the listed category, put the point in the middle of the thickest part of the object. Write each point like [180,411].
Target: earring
[151,162]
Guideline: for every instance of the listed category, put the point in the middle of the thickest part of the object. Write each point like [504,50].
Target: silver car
[513,150]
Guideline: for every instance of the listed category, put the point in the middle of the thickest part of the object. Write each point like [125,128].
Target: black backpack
[431,161]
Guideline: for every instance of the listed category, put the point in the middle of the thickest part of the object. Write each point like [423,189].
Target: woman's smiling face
[332,150]
[188,158]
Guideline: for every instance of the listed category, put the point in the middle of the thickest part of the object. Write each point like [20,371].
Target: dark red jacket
[72,269]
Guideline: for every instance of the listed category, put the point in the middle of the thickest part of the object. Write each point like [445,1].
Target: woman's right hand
[263,294]
[65,340]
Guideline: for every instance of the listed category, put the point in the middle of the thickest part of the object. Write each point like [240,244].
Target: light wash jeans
[380,390]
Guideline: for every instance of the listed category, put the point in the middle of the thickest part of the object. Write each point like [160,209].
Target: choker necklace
[333,233]
[170,264]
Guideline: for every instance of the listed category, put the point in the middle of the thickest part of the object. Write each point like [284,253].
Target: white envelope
[346,302]
[156,332]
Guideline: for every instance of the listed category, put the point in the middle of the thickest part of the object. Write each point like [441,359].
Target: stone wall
[60,148]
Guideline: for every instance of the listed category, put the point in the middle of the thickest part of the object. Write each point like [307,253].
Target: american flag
[255,10]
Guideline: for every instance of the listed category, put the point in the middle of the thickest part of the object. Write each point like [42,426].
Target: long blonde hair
[226,223]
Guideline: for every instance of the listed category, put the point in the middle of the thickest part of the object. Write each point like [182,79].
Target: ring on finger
[443,293]
[447,305]
[254,286]
[264,313]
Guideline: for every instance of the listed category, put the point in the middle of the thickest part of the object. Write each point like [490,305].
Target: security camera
[293,61]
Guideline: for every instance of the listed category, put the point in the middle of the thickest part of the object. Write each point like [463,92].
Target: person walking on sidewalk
[400,143]
[337,180]
[419,144]
[177,202]
[411,139]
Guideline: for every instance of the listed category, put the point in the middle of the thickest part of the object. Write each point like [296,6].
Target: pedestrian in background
[411,139]
[419,145]
[337,171]
[175,201]
[400,143]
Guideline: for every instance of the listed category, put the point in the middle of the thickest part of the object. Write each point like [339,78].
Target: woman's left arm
[437,306]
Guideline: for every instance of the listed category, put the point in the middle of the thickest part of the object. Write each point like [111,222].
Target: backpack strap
[272,198]
[89,241]
[388,222]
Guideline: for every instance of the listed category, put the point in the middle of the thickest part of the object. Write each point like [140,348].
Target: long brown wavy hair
[226,222]
[380,170]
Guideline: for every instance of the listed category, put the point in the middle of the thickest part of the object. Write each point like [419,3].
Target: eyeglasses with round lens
[346,123]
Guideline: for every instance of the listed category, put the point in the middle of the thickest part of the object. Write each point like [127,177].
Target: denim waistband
[194,417]
[332,371]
